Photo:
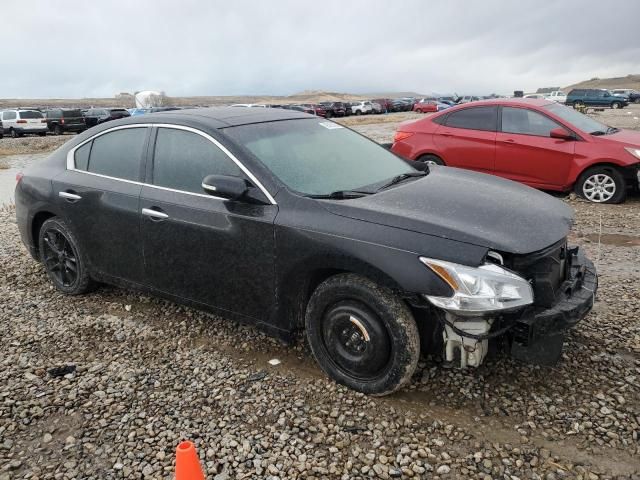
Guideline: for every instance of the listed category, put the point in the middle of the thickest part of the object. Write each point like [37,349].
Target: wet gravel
[104,386]
[144,374]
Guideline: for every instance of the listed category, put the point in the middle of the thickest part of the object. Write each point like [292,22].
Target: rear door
[467,139]
[200,247]
[526,153]
[99,195]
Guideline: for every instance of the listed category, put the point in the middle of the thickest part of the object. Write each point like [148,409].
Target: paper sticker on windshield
[330,125]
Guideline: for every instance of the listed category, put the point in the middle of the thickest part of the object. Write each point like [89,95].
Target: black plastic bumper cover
[538,337]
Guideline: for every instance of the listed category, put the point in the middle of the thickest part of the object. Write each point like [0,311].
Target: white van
[19,122]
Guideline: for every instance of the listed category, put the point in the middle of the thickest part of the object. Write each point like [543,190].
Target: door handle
[70,197]
[154,214]
[508,140]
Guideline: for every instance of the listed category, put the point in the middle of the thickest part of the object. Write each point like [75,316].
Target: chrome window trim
[71,159]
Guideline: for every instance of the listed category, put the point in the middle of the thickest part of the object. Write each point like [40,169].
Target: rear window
[117,154]
[71,113]
[476,118]
[31,114]
[120,111]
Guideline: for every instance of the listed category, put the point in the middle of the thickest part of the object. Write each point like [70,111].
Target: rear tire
[13,133]
[602,185]
[362,335]
[577,104]
[57,130]
[63,259]
[616,105]
[430,159]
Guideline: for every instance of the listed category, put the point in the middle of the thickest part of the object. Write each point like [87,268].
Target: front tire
[602,185]
[63,259]
[430,159]
[57,130]
[362,335]
[616,105]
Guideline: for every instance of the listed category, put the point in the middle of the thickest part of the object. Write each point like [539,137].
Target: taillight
[21,121]
[399,136]
[62,121]
[44,120]
[19,176]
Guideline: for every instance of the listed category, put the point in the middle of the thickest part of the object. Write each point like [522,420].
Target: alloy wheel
[60,258]
[599,188]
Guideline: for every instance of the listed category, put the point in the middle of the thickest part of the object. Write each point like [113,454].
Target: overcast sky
[80,48]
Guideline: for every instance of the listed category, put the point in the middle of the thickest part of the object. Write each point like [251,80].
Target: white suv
[359,108]
[18,122]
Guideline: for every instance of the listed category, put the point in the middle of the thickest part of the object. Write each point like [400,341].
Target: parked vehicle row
[17,123]
[540,143]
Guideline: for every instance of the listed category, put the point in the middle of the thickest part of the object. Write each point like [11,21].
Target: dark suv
[95,116]
[334,109]
[594,97]
[60,120]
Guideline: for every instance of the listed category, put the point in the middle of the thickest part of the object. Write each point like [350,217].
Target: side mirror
[560,134]
[225,186]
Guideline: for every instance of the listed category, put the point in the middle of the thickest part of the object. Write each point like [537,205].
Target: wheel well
[36,225]
[612,166]
[429,154]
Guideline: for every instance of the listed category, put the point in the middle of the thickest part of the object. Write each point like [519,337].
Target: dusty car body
[299,224]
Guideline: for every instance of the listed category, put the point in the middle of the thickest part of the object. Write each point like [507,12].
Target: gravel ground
[148,373]
[31,144]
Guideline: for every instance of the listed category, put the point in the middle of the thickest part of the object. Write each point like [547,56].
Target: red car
[425,106]
[540,143]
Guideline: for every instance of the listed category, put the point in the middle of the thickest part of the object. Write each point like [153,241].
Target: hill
[630,81]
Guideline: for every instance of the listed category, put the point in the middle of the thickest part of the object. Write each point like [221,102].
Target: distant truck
[557,96]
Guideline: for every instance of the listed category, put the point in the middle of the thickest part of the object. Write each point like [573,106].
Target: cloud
[198,47]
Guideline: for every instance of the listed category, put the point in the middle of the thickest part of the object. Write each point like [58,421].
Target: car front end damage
[525,303]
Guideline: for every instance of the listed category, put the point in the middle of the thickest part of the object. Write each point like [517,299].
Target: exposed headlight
[477,290]
[633,151]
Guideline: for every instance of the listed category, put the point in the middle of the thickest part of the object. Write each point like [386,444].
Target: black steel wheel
[362,335]
[62,258]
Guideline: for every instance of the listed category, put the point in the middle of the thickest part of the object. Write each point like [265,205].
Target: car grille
[546,269]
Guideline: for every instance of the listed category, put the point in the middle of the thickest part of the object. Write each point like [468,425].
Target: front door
[99,195]
[200,247]
[526,153]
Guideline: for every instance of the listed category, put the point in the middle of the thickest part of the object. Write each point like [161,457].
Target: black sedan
[295,223]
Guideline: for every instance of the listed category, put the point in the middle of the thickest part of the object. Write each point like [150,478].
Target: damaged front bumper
[538,335]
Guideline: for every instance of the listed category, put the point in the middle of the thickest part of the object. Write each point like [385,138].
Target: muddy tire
[430,159]
[63,259]
[602,184]
[362,335]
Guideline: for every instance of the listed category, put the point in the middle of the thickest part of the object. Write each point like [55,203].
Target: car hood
[466,206]
[628,137]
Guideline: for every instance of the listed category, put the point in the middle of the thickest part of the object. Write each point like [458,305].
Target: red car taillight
[21,121]
[44,120]
[399,136]
[61,121]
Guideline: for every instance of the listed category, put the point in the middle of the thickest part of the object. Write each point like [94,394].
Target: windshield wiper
[402,177]
[609,131]
[342,194]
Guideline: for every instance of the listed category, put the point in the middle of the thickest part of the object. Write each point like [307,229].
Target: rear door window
[182,159]
[31,114]
[475,118]
[526,122]
[118,154]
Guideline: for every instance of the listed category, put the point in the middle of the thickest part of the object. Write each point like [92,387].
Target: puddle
[616,239]
[8,175]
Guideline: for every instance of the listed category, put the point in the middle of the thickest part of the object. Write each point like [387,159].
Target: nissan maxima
[298,224]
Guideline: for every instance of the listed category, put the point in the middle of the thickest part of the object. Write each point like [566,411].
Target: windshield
[318,157]
[30,114]
[576,118]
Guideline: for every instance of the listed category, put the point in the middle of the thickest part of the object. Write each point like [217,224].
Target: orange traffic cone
[187,463]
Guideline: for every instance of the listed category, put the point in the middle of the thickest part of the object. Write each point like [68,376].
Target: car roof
[220,117]
[518,102]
